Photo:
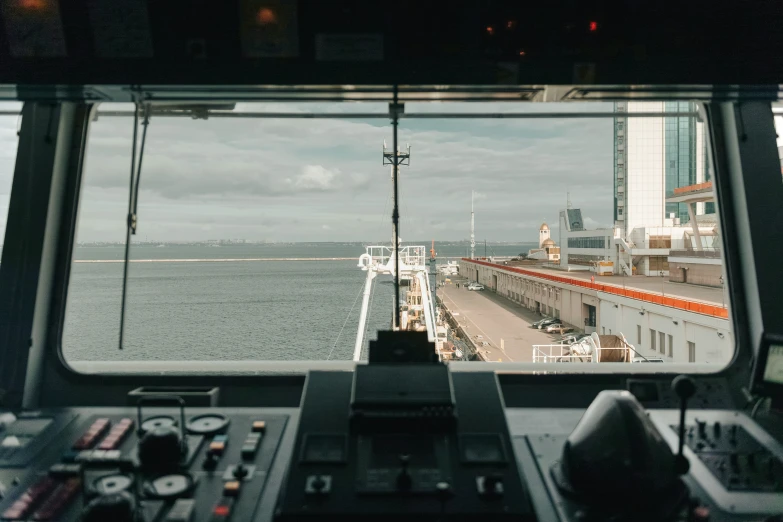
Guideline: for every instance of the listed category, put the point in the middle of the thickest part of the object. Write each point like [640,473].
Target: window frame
[734,325]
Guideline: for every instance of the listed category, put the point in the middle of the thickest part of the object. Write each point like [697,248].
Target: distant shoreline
[228,260]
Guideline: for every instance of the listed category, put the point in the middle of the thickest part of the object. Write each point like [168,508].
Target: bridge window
[250,229]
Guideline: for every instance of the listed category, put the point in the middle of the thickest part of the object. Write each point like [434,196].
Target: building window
[662,341]
[586,242]
[619,212]
[659,263]
[671,349]
[691,352]
[639,334]
[652,339]
[660,242]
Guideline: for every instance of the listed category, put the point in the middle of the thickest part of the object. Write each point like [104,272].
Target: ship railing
[413,256]
[549,353]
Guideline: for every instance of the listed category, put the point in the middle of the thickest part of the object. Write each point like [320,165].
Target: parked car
[535,324]
[546,323]
[475,286]
[552,327]
[559,328]
[647,360]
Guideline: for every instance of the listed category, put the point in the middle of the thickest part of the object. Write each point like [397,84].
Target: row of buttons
[253,440]
[23,506]
[53,507]
[250,446]
[218,444]
[92,456]
[65,470]
[117,434]
[93,433]
[222,510]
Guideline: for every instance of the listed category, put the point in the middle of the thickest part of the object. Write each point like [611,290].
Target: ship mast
[395,158]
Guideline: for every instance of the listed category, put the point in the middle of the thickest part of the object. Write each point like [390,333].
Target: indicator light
[266,16]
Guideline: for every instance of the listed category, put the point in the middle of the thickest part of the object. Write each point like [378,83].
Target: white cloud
[315,177]
[292,178]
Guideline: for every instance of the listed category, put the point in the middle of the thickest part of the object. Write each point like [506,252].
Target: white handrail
[357,348]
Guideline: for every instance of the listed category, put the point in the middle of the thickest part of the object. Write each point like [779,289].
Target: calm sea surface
[233,310]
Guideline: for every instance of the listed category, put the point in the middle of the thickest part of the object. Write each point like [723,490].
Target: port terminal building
[656,274]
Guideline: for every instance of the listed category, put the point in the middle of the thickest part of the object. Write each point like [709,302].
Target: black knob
[210,462]
[117,507]
[318,483]
[161,449]
[702,427]
[241,472]
[734,461]
[716,429]
[684,386]
[751,460]
[444,491]
[404,479]
[493,485]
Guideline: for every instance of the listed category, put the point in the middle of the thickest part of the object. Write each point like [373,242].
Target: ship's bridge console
[402,435]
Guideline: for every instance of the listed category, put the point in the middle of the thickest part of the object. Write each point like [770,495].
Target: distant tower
[543,234]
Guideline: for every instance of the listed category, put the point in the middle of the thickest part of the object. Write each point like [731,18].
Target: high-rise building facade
[652,157]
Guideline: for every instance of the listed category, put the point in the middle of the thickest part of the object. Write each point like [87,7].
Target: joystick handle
[685,388]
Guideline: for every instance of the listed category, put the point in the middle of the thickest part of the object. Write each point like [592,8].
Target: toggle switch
[318,484]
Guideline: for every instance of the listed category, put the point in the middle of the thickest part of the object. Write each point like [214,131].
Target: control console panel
[162,463]
[384,442]
[411,443]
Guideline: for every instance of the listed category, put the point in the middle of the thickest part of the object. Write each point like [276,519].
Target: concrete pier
[493,317]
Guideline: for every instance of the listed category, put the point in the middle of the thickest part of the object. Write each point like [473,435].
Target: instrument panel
[107,462]
[264,464]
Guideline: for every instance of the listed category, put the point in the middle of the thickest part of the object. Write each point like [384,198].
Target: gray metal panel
[749,191]
[50,146]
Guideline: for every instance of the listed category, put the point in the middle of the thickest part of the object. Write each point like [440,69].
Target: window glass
[269,239]
[10,120]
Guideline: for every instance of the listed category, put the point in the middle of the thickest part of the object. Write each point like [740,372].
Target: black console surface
[429,444]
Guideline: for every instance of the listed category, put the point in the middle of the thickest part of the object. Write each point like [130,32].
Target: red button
[222,511]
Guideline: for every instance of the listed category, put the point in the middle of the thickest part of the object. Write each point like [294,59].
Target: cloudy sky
[322,180]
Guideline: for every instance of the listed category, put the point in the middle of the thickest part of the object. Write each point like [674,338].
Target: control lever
[117,507]
[404,480]
[685,388]
[164,447]
[121,506]
[240,471]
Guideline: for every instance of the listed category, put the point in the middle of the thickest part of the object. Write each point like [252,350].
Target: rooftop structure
[662,191]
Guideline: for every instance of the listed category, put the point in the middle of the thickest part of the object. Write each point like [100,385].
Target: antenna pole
[395,158]
[472,230]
